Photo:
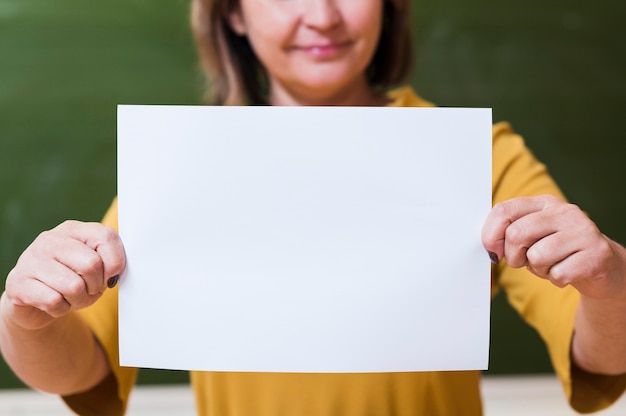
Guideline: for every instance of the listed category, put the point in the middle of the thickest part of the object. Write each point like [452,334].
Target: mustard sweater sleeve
[547,308]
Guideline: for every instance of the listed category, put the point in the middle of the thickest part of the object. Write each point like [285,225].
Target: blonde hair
[236,77]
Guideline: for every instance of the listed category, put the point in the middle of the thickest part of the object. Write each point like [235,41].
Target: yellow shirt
[547,308]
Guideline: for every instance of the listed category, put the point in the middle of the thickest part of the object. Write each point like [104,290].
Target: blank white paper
[304,239]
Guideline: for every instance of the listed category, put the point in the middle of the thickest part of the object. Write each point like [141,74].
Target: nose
[321,14]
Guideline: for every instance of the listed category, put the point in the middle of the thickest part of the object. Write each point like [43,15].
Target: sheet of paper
[298,239]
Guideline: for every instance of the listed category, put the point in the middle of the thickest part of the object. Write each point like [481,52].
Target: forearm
[599,343]
[61,358]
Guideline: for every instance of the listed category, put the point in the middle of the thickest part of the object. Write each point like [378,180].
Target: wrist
[22,318]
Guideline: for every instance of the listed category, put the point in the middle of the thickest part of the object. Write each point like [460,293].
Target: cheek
[365,17]
[269,39]
[269,53]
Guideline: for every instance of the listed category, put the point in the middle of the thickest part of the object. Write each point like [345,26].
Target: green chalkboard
[555,70]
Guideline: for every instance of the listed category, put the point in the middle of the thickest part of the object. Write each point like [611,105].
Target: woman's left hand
[555,240]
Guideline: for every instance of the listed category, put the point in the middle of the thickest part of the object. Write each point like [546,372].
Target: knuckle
[602,256]
[605,249]
[12,278]
[44,238]
[17,286]
[502,209]
[536,257]
[589,228]
[108,235]
[15,295]
[567,209]
[118,264]
[44,235]
[114,255]
[515,256]
[56,305]
[91,265]
[65,225]
[41,248]
[560,277]
[76,287]
[551,199]
[515,234]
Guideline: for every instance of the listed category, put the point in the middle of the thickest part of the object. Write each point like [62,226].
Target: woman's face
[313,50]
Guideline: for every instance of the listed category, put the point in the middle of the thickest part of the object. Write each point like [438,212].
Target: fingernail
[493,257]
[113,281]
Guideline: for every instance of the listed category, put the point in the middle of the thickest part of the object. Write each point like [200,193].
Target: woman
[563,275]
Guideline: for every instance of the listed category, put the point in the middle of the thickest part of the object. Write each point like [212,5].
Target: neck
[361,94]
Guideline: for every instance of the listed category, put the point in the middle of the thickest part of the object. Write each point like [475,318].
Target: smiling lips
[323,51]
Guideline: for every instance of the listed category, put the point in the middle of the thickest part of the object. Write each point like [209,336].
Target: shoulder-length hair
[236,77]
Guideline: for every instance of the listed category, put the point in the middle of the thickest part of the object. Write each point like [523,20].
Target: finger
[33,293]
[103,240]
[571,270]
[525,232]
[56,246]
[58,277]
[588,270]
[543,238]
[548,252]
[70,285]
[503,215]
[84,263]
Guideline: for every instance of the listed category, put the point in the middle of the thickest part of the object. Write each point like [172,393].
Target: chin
[322,95]
[323,87]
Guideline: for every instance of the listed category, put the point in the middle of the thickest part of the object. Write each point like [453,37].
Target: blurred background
[556,70]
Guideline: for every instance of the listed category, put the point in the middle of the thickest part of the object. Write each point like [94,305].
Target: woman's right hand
[64,269]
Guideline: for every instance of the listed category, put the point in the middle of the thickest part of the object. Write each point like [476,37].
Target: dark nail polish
[113,281]
[493,257]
